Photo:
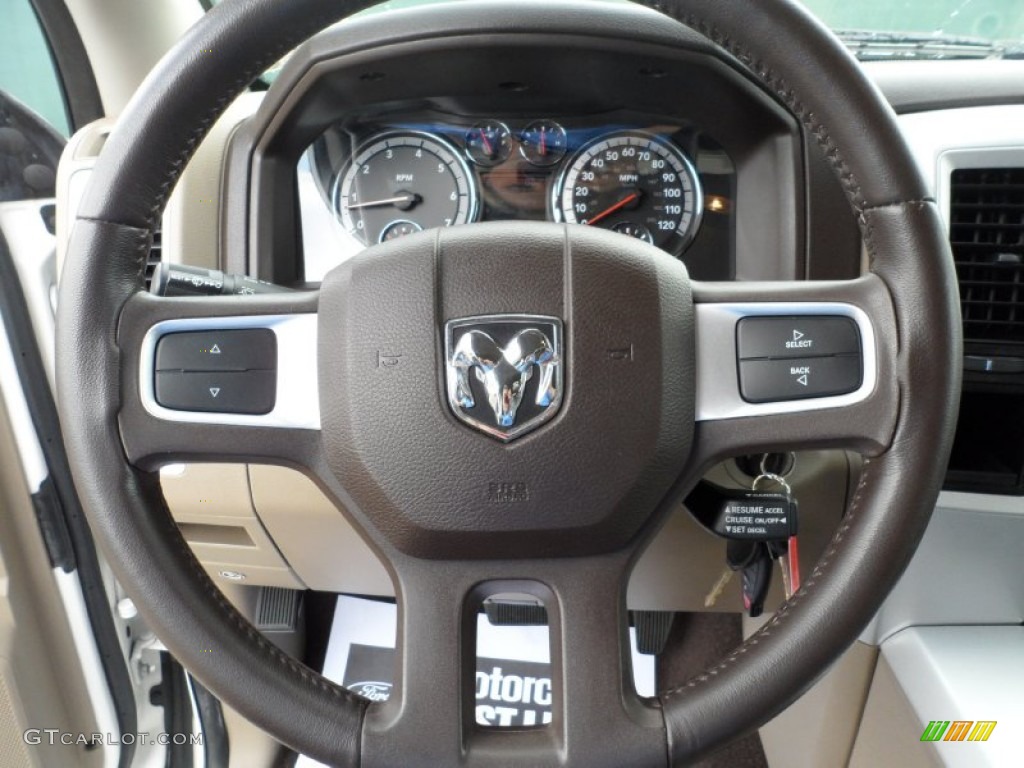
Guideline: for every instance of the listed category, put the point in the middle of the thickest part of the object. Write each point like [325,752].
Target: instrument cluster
[661,183]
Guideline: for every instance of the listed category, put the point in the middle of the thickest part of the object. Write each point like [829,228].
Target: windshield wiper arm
[869,45]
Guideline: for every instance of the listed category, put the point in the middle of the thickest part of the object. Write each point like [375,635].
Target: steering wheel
[614,445]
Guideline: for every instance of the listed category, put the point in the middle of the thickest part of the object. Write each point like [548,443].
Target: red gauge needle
[488,147]
[613,208]
[543,143]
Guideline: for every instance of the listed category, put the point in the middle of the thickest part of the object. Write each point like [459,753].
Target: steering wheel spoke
[597,717]
[801,365]
[220,379]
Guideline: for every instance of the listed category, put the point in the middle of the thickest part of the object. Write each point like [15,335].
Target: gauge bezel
[681,238]
[360,155]
[523,144]
[506,133]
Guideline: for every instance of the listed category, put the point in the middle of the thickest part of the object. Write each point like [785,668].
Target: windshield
[897,29]
[926,28]
[991,20]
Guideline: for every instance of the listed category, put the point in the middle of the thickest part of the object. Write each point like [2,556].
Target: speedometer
[633,183]
[400,183]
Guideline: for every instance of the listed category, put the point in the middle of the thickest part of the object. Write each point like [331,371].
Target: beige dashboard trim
[322,546]
[213,508]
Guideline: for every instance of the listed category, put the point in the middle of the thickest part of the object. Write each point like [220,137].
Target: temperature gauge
[489,143]
[542,142]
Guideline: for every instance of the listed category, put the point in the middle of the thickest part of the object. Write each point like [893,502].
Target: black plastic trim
[82,101]
[14,315]
[53,526]
[176,699]
[211,722]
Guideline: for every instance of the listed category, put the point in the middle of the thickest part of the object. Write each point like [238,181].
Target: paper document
[513,678]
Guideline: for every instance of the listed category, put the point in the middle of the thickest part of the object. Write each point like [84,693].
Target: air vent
[987,236]
[986,215]
[156,252]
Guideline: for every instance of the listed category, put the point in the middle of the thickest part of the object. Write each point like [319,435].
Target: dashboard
[656,138]
[661,181]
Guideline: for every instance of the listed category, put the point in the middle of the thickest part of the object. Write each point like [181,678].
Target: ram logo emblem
[504,372]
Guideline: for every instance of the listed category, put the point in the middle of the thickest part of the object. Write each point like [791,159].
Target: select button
[766,381]
[798,336]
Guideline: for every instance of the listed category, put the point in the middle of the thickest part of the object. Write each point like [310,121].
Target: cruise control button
[250,392]
[800,336]
[766,381]
[240,349]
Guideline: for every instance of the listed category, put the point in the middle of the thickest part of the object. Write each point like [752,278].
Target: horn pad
[582,337]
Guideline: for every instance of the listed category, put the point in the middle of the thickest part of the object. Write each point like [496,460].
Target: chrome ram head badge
[504,372]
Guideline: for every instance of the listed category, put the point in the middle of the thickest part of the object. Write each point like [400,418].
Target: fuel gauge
[489,143]
[543,142]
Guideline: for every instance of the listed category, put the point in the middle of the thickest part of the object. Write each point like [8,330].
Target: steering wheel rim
[797,61]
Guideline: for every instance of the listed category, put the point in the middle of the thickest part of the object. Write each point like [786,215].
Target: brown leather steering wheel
[620,451]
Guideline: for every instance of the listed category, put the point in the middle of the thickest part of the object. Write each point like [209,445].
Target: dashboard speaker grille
[987,237]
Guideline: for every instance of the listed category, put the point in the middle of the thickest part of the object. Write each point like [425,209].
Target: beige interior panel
[191,223]
[683,562]
[256,575]
[819,728]
[76,163]
[41,683]
[152,28]
[213,508]
[323,548]
[890,731]
[251,747]
[13,749]
[202,490]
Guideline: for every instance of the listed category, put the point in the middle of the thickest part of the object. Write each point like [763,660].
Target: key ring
[781,481]
[789,562]
[789,470]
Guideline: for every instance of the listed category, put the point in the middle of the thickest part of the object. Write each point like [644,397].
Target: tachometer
[633,183]
[401,183]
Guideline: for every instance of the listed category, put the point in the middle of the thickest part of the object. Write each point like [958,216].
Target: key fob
[744,514]
[758,516]
[757,578]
